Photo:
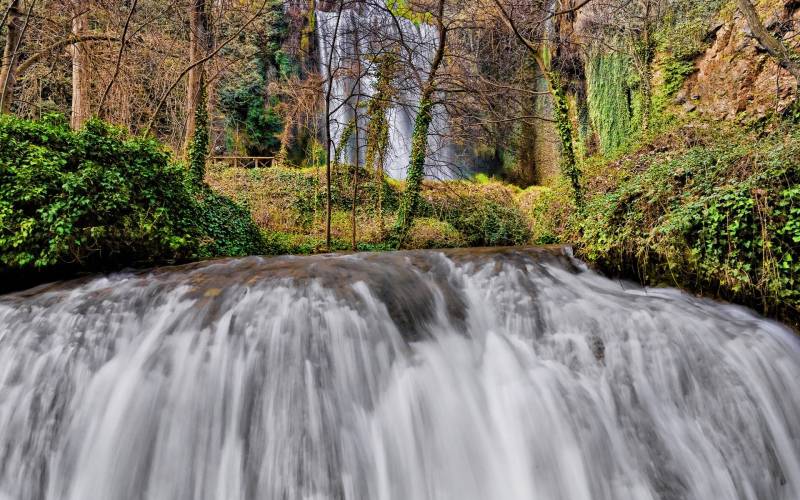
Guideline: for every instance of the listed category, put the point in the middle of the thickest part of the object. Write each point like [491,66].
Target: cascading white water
[348,44]
[512,374]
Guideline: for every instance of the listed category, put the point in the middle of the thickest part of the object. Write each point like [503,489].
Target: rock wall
[735,75]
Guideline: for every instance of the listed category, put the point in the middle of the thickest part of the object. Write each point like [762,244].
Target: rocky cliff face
[735,75]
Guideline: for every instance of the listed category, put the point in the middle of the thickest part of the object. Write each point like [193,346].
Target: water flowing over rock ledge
[470,374]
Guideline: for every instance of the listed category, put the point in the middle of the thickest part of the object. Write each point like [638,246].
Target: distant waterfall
[464,375]
[362,33]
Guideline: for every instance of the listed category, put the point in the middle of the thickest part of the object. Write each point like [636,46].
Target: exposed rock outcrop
[736,75]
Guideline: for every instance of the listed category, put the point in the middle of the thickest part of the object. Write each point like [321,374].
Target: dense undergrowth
[289,204]
[709,207]
[96,200]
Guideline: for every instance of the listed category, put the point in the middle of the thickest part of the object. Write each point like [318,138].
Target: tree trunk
[199,142]
[419,141]
[542,55]
[569,164]
[8,66]
[199,44]
[773,46]
[80,66]
[646,62]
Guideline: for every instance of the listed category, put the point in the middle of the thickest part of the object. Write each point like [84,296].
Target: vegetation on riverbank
[674,124]
[714,209]
[98,199]
[289,205]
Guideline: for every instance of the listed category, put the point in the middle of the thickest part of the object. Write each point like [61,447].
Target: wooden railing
[244,161]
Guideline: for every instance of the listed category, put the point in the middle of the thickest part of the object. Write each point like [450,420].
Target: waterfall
[487,374]
[347,49]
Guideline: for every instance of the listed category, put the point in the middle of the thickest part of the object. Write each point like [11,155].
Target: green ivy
[97,199]
[198,146]
[723,216]
[252,118]
[610,99]
[569,164]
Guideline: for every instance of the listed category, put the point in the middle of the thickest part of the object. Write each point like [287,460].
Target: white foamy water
[421,375]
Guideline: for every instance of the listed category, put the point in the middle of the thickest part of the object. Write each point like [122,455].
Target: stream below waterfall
[492,374]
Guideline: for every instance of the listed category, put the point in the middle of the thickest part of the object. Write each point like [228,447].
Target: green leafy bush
[722,216]
[485,214]
[96,199]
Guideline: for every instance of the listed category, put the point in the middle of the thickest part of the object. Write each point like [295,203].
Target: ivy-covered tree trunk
[542,53]
[569,164]
[378,127]
[199,43]
[199,143]
[419,141]
[416,170]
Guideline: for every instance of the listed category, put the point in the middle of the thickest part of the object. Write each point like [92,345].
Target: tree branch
[199,62]
[119,57]
[774,47]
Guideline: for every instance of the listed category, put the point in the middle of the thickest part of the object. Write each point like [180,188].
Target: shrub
[96,199]
[432,233]
[485,214]
[722,217]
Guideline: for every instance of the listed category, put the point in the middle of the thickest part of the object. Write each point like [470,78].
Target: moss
[610,99]
[428,232]
[416,171]
[403,9]
[719,215]
[569,164]
[547,211]
[288,203]
[198,146]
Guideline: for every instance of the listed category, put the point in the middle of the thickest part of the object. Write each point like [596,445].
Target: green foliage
[227,227]
[253,120]
[610,99]
[403,9]
[722,216]
[416,171]
[675,73]
[685,28]
[547,212]
[484,214]
[96,199]
[569,164]
[429,232]
[481,178]
[198,146]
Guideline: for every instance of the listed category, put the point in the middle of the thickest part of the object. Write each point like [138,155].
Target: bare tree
[542,53]
[199,46]
[774,47]
[419,139]
[80,65]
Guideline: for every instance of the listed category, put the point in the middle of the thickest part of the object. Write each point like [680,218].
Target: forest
[399,250]
[658,138]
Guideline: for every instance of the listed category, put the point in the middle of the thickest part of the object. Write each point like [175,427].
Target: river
[470,374]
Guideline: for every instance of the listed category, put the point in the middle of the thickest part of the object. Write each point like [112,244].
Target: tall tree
[10,59]
[329,146]
[80,64]
[409,204]
[199,46]
[542,53]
